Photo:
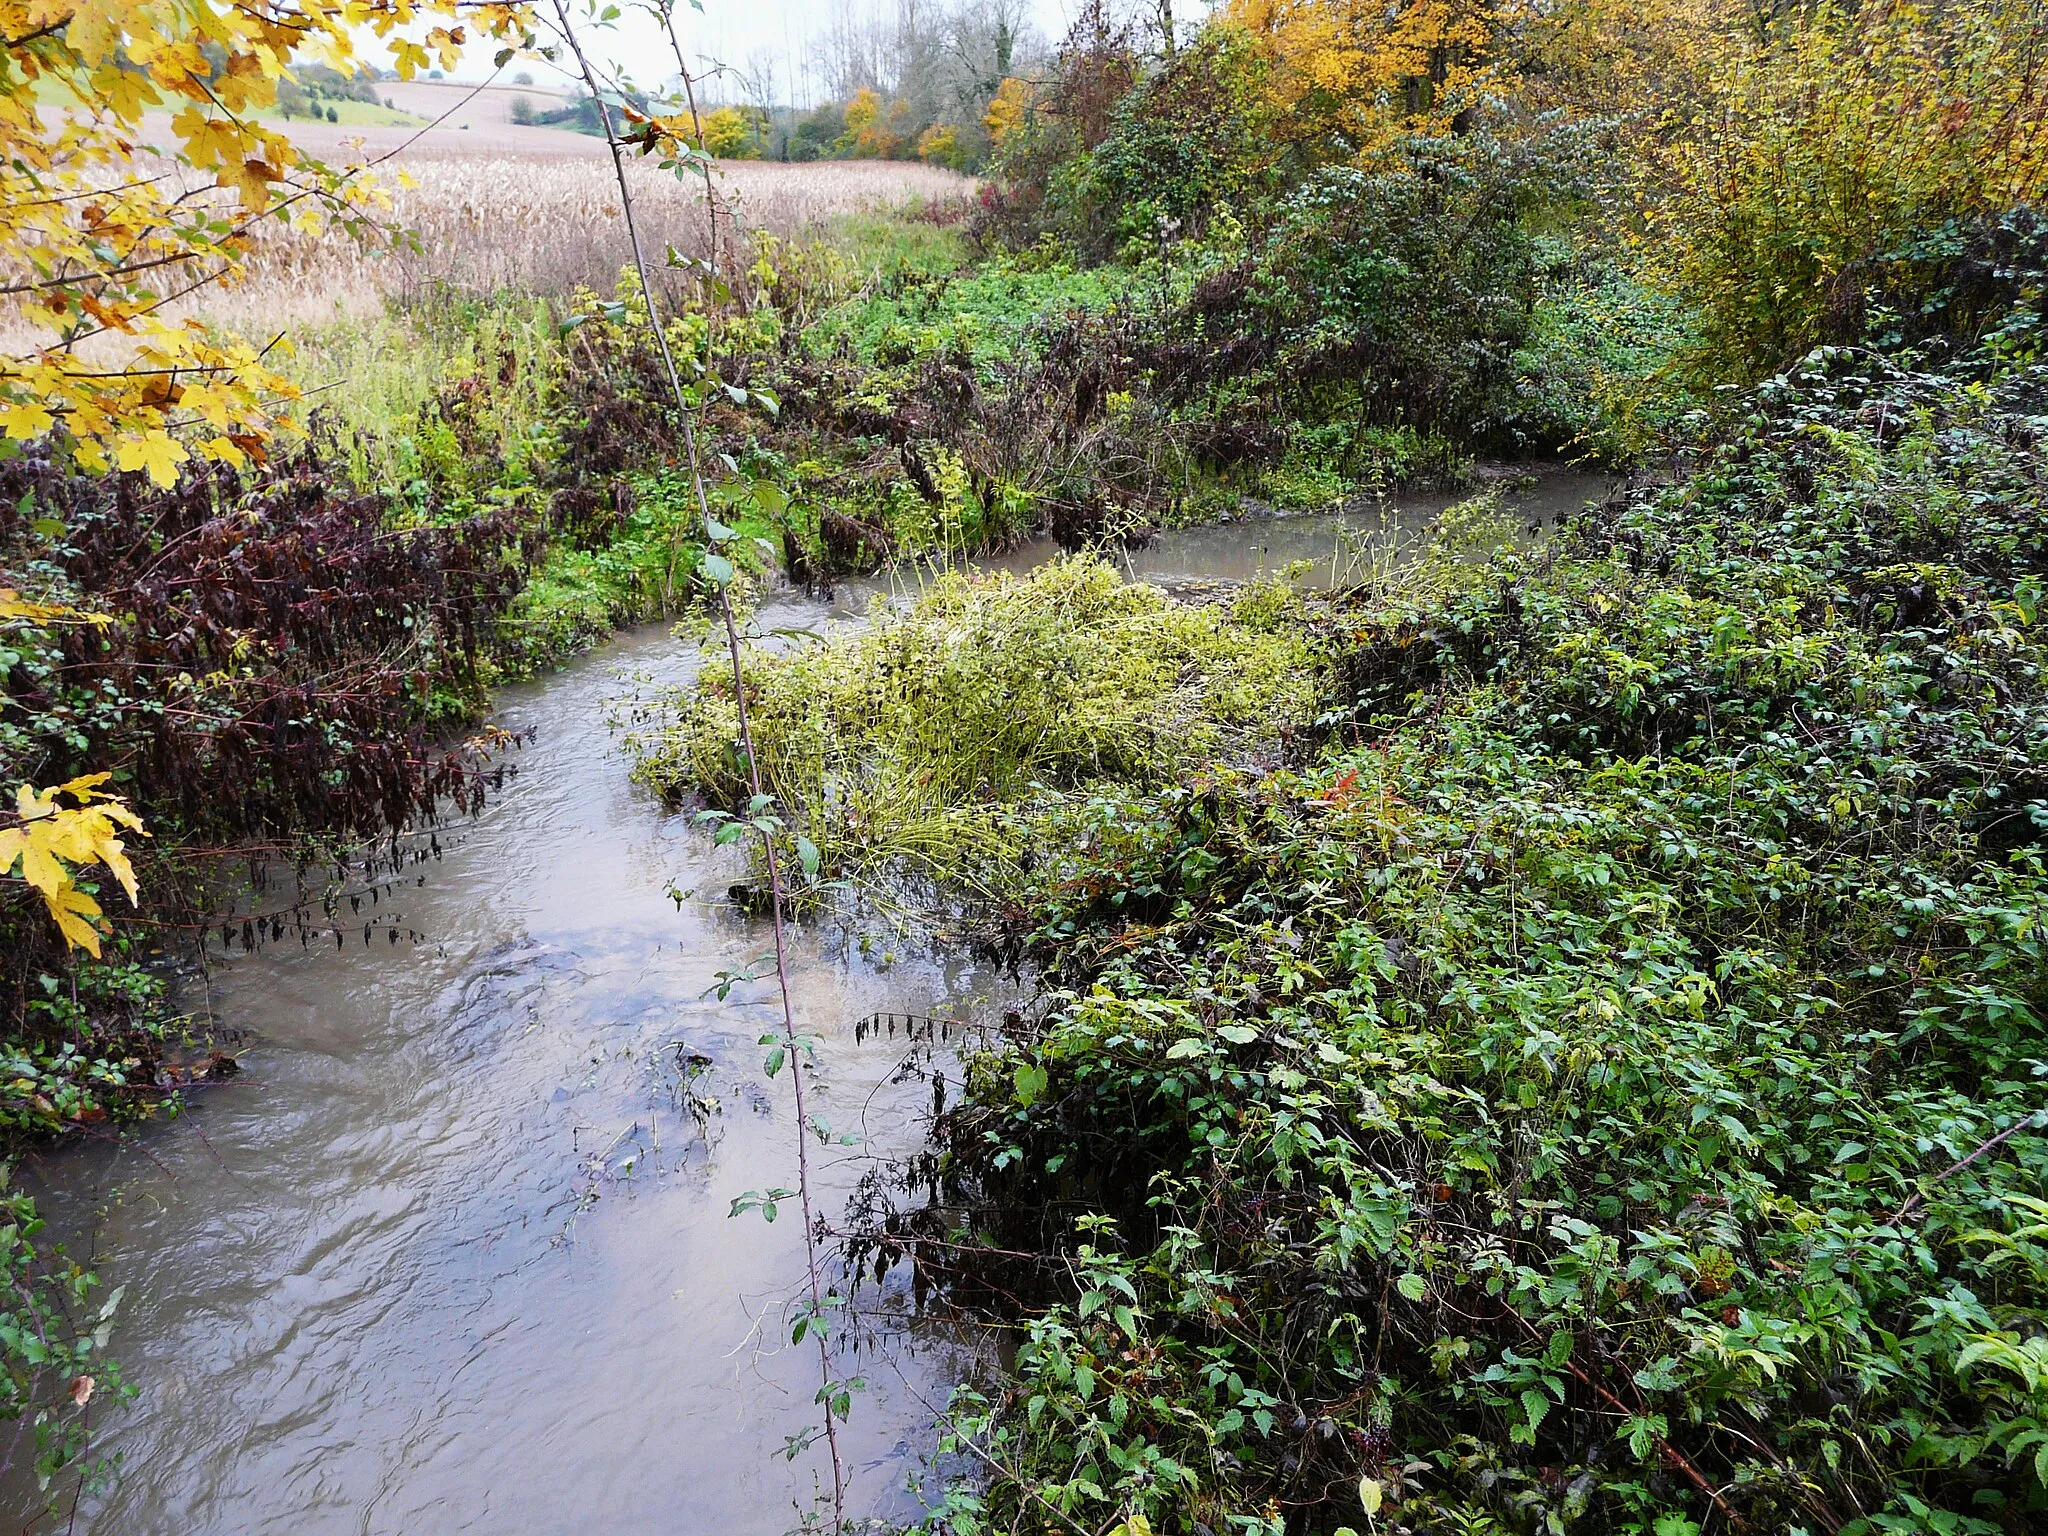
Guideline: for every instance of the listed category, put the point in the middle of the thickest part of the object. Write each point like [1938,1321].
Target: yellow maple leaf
[40,867]
[54,841]
[74,911]
[26,419]
[158,452]
[126,92]
[14,606]
[224,450]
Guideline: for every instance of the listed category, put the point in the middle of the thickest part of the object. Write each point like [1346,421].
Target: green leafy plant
[1604,1089]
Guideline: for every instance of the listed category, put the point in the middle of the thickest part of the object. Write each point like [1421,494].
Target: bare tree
[942,58]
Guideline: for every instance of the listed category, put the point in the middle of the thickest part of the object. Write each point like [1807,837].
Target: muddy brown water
[1257,545]
[454,1253]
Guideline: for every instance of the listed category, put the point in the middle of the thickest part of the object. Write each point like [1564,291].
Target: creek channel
[452,1253]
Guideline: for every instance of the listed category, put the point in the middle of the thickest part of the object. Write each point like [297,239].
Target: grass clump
[987,312]
[912,742]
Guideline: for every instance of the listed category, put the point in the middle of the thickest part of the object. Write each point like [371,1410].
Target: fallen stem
[1984,1149]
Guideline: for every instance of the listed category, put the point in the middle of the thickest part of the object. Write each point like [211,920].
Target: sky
[774,35]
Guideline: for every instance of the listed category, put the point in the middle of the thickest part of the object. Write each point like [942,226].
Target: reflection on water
[453,1254]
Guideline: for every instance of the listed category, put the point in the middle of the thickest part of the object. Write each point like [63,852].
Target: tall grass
[905,746]
[383,383]
[543,225]
[529,224]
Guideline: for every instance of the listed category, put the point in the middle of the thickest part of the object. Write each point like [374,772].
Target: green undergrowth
[443,404]
[984,312]
[913,744]
[1602,1089]
[887,246]
[461,405]
[644,568]
[1325,466]
[54,1332]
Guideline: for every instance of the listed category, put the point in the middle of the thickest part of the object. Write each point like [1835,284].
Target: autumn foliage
[106,222]
[99,240]
[52,840]
[1358,71]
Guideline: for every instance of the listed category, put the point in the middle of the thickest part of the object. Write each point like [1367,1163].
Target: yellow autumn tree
[875,129]
[729,133]
[940,145]
[1645,62]
[1007,109]
[1355,72]
[1817,147]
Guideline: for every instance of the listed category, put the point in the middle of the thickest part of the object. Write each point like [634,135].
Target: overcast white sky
[774,33]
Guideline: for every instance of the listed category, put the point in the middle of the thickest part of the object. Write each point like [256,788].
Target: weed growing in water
[907,746]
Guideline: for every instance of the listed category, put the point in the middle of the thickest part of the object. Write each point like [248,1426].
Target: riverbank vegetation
[912,743]
[1543,1036]
[1599,1089]
[1586,1073]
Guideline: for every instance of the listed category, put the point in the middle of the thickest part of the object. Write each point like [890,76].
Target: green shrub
[1190,142]
[1392,294]
[1596,371]
[984,314]
[1605,1091]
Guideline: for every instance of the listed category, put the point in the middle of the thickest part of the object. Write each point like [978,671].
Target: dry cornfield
[544,225]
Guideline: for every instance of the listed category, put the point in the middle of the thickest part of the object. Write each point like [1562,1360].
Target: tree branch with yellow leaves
[52,842]
[86,236]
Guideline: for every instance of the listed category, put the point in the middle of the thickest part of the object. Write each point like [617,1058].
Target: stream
[453,1252]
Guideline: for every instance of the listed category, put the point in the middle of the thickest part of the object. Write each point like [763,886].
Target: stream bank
[453,1251]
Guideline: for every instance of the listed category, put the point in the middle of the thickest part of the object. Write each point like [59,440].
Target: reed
[533,224]
[545,226]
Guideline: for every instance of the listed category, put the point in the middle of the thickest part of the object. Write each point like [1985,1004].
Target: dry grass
[539,224]
[545,225]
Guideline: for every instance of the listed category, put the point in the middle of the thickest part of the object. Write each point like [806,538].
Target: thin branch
[666,9]
[791,1045]
[1984,1149]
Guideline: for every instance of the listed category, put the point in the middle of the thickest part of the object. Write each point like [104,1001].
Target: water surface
[454,1253]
